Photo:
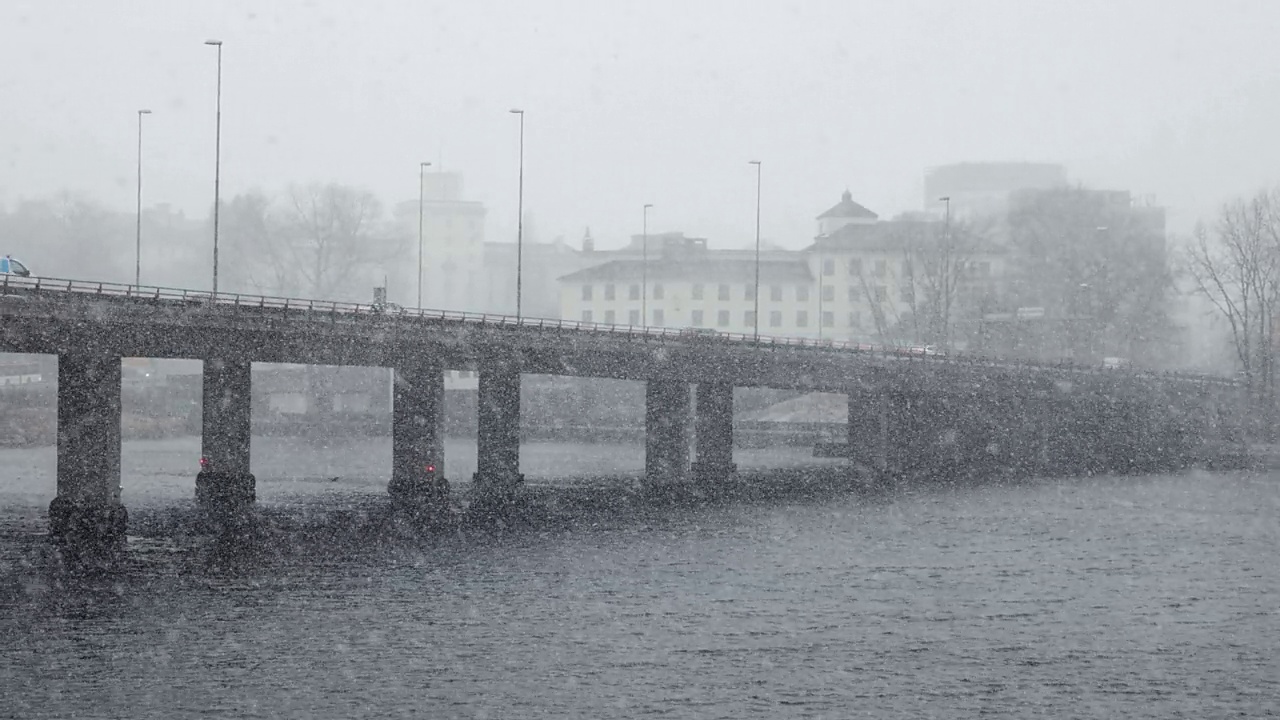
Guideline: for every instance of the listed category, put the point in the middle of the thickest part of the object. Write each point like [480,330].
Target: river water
[1150,597]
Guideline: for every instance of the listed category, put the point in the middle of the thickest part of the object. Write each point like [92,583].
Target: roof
[706,269]
[847,208]
[896,235]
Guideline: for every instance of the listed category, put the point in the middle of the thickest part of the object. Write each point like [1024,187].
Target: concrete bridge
[908,413]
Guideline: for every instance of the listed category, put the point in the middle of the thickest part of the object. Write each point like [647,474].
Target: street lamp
[137,266]
[644,269]
[217,163]
[947,278]
[422,169]
[757,292]
[520,220]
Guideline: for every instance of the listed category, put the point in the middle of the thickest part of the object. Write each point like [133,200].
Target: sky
[628,103]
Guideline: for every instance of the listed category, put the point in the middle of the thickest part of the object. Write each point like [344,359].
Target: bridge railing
[17,285]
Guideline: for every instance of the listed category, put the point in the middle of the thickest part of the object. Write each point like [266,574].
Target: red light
[204,462]
[431,468]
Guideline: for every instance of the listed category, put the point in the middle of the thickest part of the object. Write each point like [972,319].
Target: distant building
[453,248]
[692,286]
[983,188]
[884,280]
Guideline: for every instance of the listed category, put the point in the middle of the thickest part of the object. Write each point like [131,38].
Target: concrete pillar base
[226,493]
[420,496]
[88,532]
[714,473]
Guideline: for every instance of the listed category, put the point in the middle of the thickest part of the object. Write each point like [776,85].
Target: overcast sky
[628,103]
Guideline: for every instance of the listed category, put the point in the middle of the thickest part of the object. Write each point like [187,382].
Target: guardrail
[15,285]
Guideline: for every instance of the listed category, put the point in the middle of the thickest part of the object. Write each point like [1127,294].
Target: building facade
[863,279]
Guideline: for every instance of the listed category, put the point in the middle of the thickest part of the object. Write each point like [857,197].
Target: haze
[630,103]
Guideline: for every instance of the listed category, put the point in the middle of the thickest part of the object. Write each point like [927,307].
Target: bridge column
[714,434]
[86,519]
[418,483]
[224,485]
[498,478]
[666,440]
[864,441]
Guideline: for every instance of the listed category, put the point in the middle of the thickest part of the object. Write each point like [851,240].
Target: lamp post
[422,169]
[520,221]
[137,264]
[644,269]
[217,163]
[756,315]
[944,302]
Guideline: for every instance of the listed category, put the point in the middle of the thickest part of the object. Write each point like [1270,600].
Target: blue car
[10,265]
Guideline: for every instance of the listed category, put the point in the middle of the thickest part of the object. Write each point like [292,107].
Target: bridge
[909,413]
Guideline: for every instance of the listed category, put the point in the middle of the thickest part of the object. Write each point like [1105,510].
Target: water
[1104,597]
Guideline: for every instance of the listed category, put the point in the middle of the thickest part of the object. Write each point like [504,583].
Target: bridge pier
[714,424]
[865,432]
[498,479]
[666,439]
[418,484]
[224,485]
[86,519]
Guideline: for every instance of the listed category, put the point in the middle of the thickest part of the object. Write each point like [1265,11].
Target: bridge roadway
[908,413]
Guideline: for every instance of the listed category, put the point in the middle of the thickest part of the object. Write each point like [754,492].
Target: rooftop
[708,269]
[847,208]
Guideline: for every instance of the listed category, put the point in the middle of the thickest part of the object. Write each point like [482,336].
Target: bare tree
[1237,267]
[1097,264]
[324,241]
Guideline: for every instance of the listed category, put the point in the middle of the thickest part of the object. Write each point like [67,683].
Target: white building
[689,286]
[453,272]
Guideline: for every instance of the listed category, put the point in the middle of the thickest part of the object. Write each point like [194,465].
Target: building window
[855,320]
[828,293]
[828,267]
[634,293]
[657,291]
[657,317]
[775,293]
[696,317]
[984,268]
[724,292]
[853,294]
[696,294]
[633,317]
[881,269]
[749,318]
[855,267]
[908,295]
[586,292]
[722,318]
[775,318]
[802,293]
[608,317]
[749,293]
[586,316]
[881,293]
[610,292]
[802,318]
[828,318]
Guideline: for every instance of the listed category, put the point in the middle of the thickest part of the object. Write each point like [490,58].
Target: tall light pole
[137,263]
[644,269]
[520,221]
[757,292]
[948,276]
[422,179]
[217,163]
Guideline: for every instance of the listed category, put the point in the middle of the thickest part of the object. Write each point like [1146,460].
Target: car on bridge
[10,265]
